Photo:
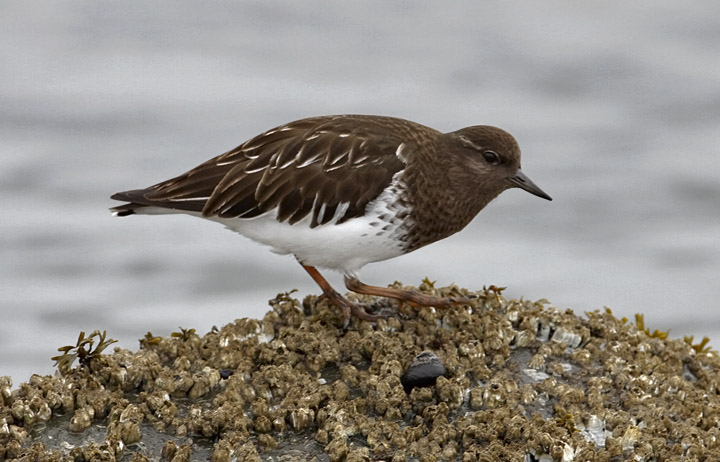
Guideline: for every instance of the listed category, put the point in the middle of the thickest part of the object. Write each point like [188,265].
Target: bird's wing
[328,168]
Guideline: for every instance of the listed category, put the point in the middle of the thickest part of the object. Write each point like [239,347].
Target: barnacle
[567,421]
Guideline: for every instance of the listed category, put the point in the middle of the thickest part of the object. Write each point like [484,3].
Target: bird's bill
[521,181]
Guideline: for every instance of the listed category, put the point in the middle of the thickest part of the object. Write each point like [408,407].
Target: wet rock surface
[523,381]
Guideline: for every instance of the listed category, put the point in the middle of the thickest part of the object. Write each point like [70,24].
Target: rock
[518,380]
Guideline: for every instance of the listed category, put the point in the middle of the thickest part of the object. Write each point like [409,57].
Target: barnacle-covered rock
[512,380]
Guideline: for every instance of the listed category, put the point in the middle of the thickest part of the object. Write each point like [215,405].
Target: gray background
[615,104]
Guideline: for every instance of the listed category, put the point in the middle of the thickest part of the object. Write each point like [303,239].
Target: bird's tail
[126,209]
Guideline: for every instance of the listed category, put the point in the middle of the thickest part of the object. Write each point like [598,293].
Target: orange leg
[348,308]
[414,298]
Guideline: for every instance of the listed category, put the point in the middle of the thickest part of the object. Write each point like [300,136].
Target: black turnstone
[343,191]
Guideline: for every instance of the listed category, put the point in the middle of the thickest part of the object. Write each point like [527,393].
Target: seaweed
[82,350]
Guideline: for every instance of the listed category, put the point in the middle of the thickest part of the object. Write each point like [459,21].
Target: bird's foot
[348,308]
[407,296]
[420,299]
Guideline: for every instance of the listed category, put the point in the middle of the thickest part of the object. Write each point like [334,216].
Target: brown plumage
[369,187]
[297,168]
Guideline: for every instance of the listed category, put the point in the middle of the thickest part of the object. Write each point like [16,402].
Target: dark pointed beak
[523,182]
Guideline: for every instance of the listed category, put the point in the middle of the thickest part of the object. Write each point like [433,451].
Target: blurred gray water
[615,104]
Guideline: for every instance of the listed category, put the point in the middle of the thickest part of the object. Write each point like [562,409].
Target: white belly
[346,247]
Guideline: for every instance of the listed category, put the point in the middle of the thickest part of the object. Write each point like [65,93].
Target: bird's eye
[491,157]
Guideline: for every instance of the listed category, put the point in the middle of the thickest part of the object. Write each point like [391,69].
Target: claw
[349,308]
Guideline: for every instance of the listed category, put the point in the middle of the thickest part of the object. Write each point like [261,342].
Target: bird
[340,191]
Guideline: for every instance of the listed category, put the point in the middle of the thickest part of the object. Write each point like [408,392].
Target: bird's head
[491,156]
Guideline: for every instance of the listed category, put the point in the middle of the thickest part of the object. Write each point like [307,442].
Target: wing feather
[317,168]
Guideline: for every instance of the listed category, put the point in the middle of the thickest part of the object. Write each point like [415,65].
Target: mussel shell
[424,370]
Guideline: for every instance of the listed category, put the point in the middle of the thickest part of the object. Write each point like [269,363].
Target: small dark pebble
[226,373]
[423,371]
